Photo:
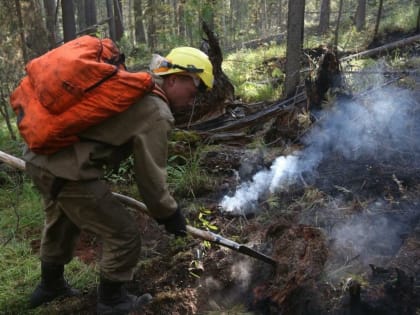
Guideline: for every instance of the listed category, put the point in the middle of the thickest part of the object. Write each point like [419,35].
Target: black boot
[52,285]
[113,299]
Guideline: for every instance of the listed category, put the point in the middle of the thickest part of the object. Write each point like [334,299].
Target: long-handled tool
[135,204]
[205,235]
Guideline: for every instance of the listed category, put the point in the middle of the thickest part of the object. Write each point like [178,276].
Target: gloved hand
[175,224]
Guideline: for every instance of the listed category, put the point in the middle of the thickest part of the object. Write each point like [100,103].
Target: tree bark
[111,19]
[151,27]
[180,18]
[119,26]
[90,13]
[324,17]
[295,28]
[360,18]
[337,28]
[50,19]
[138,22]
[378,18]
[81,15]
[21,31]
[69,22]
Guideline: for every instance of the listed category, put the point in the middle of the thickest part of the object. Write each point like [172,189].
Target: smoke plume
[353,128]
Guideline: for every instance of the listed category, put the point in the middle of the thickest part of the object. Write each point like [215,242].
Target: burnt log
[328,78]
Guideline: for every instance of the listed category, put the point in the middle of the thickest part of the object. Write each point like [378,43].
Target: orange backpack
[71,88]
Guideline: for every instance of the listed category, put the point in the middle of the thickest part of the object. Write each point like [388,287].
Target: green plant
[186,176]
[21,209]
[21,220]
[252,77]
[18,277]
[123,174]
[203,221]
[20,274]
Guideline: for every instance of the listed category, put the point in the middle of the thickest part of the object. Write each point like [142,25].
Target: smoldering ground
[379,128]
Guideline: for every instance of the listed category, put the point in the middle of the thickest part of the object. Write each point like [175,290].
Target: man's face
[181,91]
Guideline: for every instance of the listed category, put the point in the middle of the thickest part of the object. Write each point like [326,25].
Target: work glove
[175,223]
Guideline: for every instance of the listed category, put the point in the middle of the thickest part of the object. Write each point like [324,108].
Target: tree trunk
[360,18]
[378,18]
[111,19]
[418,21]
[119,26]
[280,15]
[233,14]
[337,28]
[21,31]
[180,18]
[138,22]
[4,112]
[324,17]
[90,13]
[295,27]
[81,14]
[36,38]
[69,22]
[50,19]
[207,13]
[151,27]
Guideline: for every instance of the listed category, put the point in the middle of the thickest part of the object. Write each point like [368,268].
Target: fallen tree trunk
[377,50]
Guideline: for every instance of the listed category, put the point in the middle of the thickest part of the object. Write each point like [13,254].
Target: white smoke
[241,272]
[352,128]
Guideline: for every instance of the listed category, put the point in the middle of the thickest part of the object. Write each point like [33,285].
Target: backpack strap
[157,90]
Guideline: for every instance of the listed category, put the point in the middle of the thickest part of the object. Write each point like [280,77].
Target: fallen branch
[380,49]
[12,161]
[257,117]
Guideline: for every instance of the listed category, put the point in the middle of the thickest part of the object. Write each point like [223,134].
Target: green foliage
[185,136]
[21,273]
[124,174]
[251,75]
[204,222]
[186,176]
[400,18]
[21,210]
[21,221]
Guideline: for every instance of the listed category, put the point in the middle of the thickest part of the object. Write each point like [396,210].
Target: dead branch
[377,50]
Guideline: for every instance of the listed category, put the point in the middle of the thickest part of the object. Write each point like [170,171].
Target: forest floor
[345,232]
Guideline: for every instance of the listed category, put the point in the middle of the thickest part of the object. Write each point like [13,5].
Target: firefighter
[77,198]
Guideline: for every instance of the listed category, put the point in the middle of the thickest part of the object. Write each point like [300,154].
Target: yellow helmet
[186,59]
